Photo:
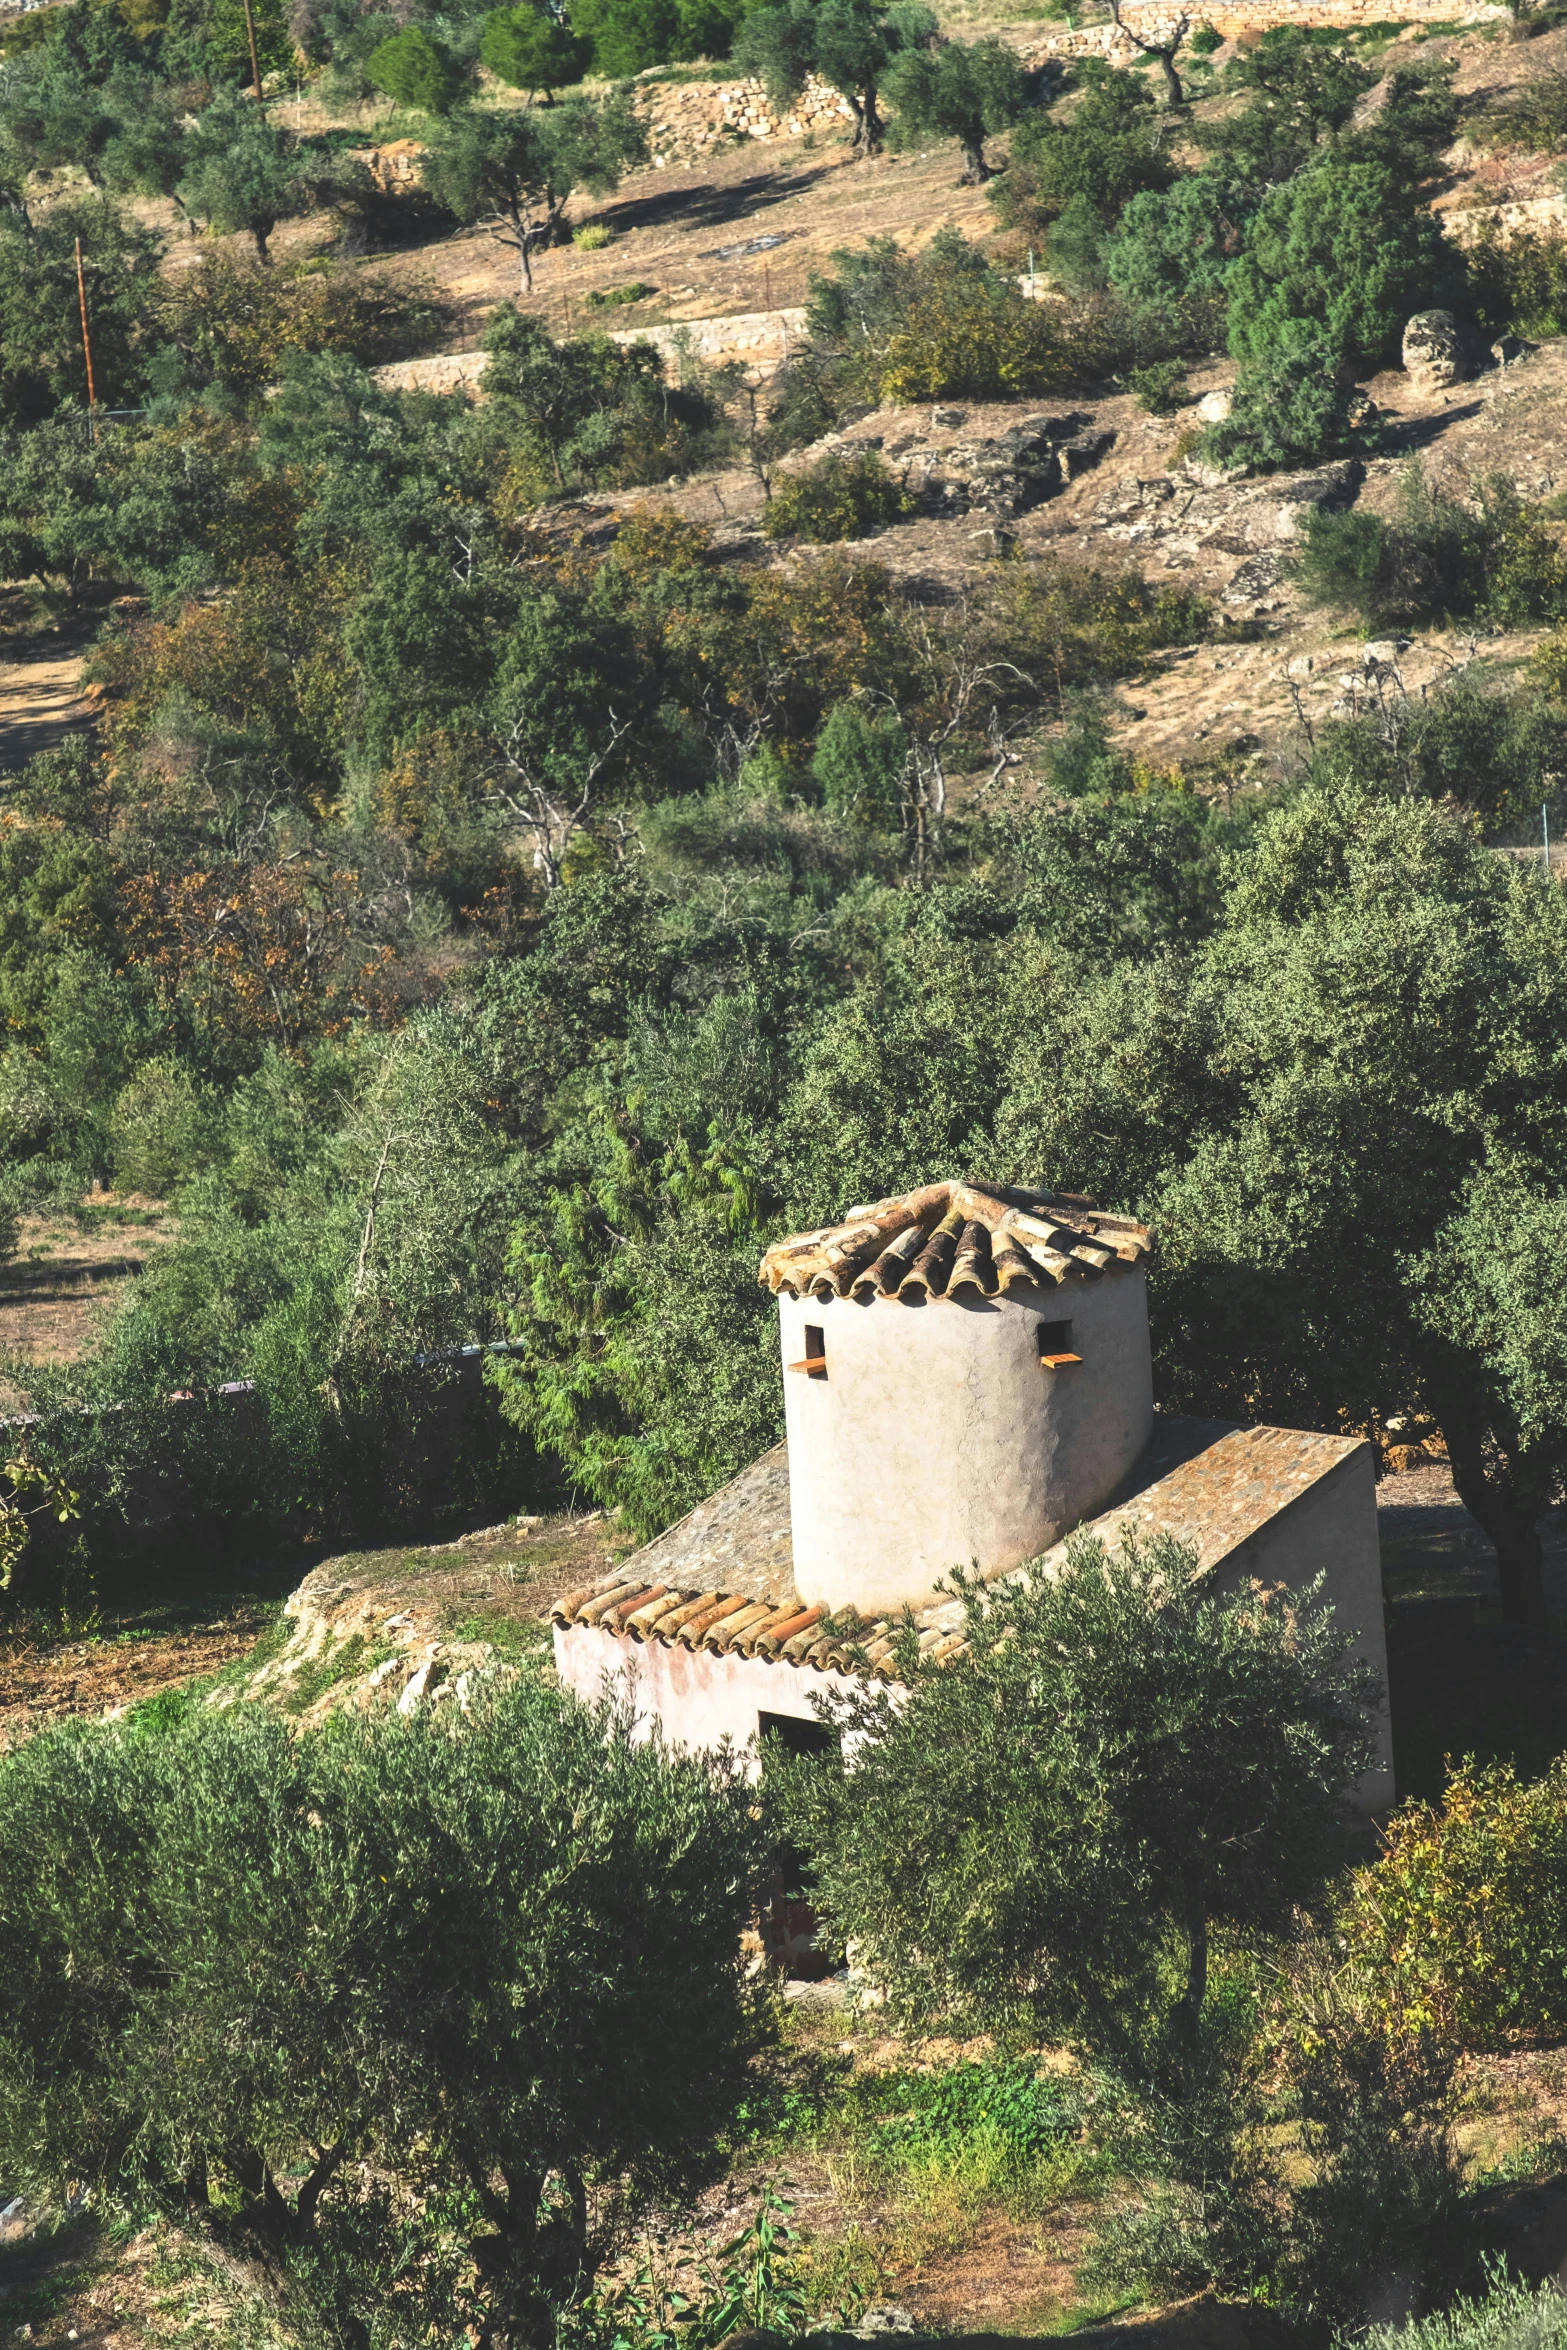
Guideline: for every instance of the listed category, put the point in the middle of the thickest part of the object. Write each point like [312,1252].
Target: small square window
[814,1364]
[1055,1346]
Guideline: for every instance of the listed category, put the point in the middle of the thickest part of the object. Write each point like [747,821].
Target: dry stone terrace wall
[685,118]
[1156,20]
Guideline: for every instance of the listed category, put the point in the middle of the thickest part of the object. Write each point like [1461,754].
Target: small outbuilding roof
[952,1239]
[722,1579]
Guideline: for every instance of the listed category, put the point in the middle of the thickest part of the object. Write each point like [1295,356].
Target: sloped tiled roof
[952,1238]
[722,1581]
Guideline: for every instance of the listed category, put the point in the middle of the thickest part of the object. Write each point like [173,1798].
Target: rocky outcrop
[1260,522]
[1010,475]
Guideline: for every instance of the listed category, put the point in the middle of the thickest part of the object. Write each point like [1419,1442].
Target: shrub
[1160,389]
[235,324]
[1491,554]
[593,237]
[1205,40]
[839,497]
[528,48]
[1519,283]
[1287,409]
[1464,1917]
[417,71]
[890,327]
[1510,2314]
[1173,249]
[1106,150]
[1535,119]
[619,297]
[1339,255]
[859,764]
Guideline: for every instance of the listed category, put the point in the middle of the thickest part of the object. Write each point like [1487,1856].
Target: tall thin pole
[1545,834]
[92,395]
[255,62]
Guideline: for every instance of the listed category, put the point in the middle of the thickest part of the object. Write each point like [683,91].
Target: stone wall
[1156,19]
[684,119]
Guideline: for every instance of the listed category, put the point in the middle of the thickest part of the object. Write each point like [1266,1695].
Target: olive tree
[514,174]
[237,1957]
[960,91]
[849,43]
[1045,1833]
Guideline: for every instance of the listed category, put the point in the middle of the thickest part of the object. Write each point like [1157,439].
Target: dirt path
[41,699]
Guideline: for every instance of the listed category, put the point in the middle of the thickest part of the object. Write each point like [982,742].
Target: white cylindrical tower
[967,1377]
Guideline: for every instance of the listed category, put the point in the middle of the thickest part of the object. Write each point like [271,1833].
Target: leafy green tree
[960,91]
[532,50]
[242,172]
[241,1959]
[1172,249]
[630,35]
[1044,1836]
[1105,151]
[1340,253]
[541,1868]
[849,43]
[859,763]
[417,70]
[515,173]
[1304,92]
[1326,1178]
[41,362]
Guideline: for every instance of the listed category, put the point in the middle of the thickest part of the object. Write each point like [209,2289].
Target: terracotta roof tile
[949,1238]
[1211,1485]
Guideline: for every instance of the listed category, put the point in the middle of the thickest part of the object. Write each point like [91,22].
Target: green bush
[528,48]
[1510,2313]
[619,297]
[889,327]
[1535,119]
[1287,409]
[860,763]
[1205,40]
[1339,255]
[417,70]
[1017,1844]
[1520,282]
[1106,150]
[239,1959]
[593,237]
[1491,554]
[839,497]
[1161,389]
[1463,1921]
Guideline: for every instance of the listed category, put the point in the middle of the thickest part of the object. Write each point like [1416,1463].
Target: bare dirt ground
[66,1276]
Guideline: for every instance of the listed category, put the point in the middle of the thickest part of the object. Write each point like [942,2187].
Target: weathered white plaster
[937,1440]
[1331,1531]
[699,1698]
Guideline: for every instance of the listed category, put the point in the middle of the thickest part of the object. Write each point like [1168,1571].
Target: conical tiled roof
[951,1238]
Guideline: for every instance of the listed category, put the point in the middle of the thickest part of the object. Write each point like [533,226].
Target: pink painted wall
[701,1699]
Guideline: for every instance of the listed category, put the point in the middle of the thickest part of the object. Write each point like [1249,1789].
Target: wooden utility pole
[81,293]
[255,62]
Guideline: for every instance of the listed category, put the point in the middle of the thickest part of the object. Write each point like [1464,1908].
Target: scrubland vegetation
[479,930]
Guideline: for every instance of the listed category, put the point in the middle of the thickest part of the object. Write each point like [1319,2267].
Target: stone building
[967,1382]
